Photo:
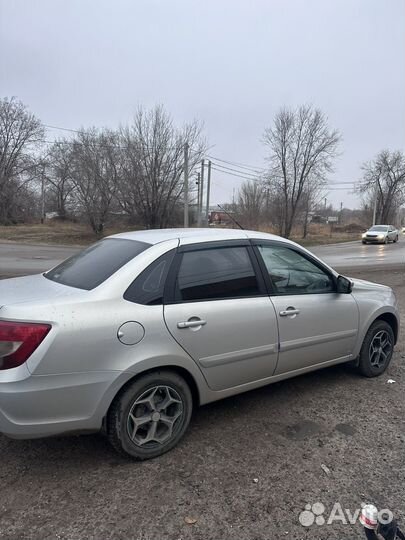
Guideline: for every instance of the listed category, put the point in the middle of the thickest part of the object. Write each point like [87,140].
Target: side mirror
[344,285]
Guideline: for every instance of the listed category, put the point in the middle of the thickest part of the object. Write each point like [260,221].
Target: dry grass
[318,234]
[57,232]
[317,240]
[53,232]
[324,234]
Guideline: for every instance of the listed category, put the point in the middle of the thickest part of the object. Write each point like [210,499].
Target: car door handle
[191,324]
[288,312]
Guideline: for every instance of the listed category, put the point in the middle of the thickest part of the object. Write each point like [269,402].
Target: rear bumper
[45,405]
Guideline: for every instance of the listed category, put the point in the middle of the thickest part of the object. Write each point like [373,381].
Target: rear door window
[92,266]
[217,273]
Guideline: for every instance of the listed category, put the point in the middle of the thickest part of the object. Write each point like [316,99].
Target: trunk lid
[30,289]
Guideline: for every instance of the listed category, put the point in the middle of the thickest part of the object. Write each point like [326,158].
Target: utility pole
[208,193]
[198,191]
[186,147]
[200,202]
[375,203]
[42,194]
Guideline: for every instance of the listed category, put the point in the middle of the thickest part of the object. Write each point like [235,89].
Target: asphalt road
[21,259]
[358,255]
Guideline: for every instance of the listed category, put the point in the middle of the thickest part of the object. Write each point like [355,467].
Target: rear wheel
[377,349]
[150,416]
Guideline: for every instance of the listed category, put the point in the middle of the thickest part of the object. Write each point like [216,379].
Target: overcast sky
[231,64]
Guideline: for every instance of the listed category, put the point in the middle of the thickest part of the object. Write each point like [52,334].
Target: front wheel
[377,349]
[396,239]
[150,416]
[363,242]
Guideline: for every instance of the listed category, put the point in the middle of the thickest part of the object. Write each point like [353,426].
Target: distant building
[316,218]
[218,217]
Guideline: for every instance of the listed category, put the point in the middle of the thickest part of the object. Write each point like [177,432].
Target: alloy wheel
[380,349]
[154,416]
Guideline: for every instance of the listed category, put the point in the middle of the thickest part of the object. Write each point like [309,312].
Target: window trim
[169,297]
[272,291]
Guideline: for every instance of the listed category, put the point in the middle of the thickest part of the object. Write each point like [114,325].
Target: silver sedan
[132,333]
[380,234]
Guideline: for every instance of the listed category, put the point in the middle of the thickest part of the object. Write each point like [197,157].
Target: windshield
[92,266]
[379,228]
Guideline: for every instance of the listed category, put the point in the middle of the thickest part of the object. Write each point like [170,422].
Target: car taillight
[18,341]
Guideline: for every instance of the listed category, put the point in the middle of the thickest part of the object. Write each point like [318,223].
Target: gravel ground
[245,470]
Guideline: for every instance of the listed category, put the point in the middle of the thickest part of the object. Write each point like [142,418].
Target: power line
[64,129]
[330,186]
[81,132]
[236,164]
[234,174]
[339,183]
[327,188]
[233,170]
[91,142]
[239,165]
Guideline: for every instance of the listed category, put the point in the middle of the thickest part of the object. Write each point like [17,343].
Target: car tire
[374,358]
[386,240]
[159,427]
[363,242]
[396,239]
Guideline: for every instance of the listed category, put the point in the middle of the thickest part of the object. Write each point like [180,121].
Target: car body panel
[33,288]
[230,348]
[373,300]
[70,380]
[324,330]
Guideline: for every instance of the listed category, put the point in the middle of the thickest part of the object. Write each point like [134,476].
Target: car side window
[216,273]
[292,273]
[148,287]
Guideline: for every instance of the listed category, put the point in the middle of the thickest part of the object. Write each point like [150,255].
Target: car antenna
[232,218]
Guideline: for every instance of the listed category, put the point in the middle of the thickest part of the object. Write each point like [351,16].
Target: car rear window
[94,265]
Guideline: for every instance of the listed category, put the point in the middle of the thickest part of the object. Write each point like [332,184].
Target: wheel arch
[187,376]
[391,319]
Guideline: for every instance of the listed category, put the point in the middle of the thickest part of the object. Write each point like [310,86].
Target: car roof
[193,235]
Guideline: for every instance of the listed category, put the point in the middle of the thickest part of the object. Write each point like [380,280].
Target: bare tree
[384,177]
[95,168]
[137,170]
[153,164]
[20,134]
[251,203]
[310,199]
[58,173]
[302,149]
